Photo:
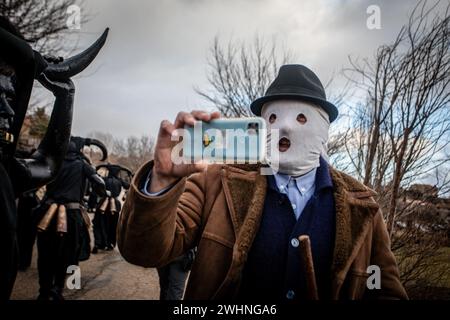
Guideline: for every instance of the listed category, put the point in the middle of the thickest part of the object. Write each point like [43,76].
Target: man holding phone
[246,225]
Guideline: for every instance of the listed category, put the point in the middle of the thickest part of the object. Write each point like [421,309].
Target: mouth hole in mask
[284,144]
[272,118]
[301,118]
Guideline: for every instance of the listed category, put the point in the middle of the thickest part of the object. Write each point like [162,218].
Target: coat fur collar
[245,191]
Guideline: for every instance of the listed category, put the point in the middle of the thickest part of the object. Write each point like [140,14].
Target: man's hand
[165,172]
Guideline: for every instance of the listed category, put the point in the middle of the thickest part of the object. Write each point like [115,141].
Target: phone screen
[225,141]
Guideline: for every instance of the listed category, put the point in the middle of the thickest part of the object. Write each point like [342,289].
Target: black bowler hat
[296,82]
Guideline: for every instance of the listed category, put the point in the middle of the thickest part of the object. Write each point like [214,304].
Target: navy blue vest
[273,270]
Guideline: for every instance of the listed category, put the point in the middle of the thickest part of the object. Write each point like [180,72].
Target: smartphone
[228,140]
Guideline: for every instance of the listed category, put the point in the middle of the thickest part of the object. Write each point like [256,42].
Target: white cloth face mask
[302,135]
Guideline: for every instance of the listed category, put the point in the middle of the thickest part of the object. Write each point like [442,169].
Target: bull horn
[100,145]
[74,65]
[130,174]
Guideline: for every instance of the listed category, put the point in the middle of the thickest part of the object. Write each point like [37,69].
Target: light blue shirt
[298,189]
[152,194]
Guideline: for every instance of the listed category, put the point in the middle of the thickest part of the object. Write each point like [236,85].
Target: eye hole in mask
[272,118]
[301,118]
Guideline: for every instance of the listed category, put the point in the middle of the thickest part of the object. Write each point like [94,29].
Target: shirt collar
[303,183]
[320,177]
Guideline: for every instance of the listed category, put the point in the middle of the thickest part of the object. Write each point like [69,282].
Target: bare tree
[42,22]
[400,136]
[133,151]
[402,128]
[239,73]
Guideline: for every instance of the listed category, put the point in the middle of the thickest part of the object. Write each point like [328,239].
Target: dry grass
[434,282]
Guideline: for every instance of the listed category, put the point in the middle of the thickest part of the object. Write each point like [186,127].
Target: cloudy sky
[156,52]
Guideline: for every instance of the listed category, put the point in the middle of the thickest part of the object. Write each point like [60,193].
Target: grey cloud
[157,50]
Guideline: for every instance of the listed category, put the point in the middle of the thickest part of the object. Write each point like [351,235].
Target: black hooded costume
[108,208]
[63,237]
[26,227]
[19,67]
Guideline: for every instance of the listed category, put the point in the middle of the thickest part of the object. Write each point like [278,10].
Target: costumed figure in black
[108,208]
[19,67]
[26,227]
[63,228]
[26,224]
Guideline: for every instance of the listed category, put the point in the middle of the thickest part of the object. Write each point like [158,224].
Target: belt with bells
[108,202]
[58,211]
